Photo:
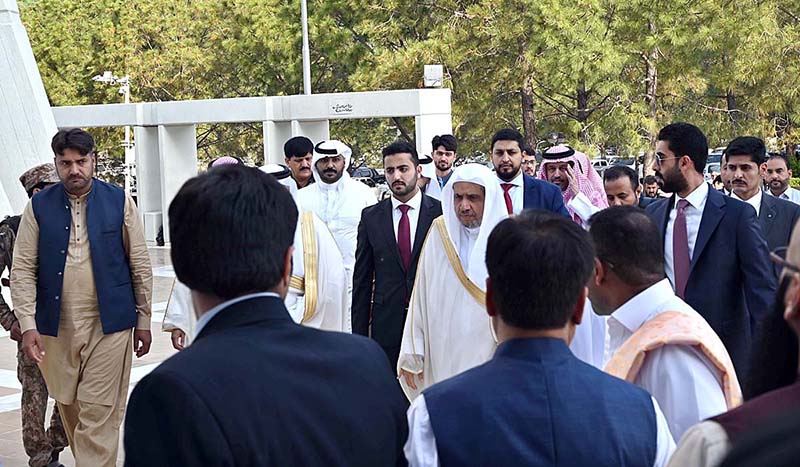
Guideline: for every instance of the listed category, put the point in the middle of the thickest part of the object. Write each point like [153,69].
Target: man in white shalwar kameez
[338,201]
[447,330]
[317,289]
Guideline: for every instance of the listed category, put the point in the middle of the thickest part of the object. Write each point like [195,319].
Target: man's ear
[490,307]
[577,312]
[639,191]
[600,272]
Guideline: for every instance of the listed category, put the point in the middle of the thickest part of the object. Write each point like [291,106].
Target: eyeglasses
[778,256]
[660,159]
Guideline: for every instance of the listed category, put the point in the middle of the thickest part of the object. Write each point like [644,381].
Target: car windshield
[714,159]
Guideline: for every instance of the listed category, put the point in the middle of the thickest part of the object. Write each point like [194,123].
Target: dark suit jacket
[777,218]
[254,388]
[644,201]
[731,282]
[540,194]
[381,287]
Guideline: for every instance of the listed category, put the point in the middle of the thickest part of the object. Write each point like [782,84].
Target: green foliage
[794,183]
[604,72]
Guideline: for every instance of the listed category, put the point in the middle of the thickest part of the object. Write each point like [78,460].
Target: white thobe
[686,384]
[420,448]
[447,329]
[339,206]
[790,194]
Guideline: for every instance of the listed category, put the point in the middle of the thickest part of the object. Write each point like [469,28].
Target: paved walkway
[12,453]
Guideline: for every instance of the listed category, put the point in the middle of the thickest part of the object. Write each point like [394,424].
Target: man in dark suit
[390,237]
[712,242]
[746,158]
[622,187]
[521,191]
[254,388]
[534,402]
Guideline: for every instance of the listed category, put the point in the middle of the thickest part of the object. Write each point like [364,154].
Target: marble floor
[12,454]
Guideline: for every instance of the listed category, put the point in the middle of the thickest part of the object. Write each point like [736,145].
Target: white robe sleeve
[703,445]
[665,445]
[180,311]
[583,207]
[420,449]
[588,342]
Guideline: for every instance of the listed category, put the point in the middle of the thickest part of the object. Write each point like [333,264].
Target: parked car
[712,170]
[368,176]
[600,165]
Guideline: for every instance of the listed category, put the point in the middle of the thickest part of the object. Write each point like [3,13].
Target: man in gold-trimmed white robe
[447,329]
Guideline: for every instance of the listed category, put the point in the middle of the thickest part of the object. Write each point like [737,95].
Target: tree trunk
[581,113]
[651,99]
[528,115]
[733,110]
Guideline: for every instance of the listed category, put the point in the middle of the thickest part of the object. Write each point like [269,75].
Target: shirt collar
[698,197]
[414,202]
[755,201]
[636,311]
[516,181]
[210,314]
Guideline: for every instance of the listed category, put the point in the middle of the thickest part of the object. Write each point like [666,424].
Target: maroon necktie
[680,250]
[509,204]
[404,236]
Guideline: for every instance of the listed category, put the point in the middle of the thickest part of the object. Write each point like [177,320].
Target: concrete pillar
[148,179]
[275,134]
[26,121]
[177,148]
[315,130]
[435,117]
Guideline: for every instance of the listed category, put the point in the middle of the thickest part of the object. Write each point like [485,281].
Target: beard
[507,173]
[673,180]
[778,184]
[404,189]
[443,165]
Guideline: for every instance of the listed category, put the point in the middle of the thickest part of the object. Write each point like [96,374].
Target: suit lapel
[767,213]
[528,190]
[712,215]
[387,226]
[661,212]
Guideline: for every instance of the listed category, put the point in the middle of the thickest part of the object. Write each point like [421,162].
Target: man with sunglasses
[711,242]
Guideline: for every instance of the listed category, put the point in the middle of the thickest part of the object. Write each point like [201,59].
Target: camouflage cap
[44,173]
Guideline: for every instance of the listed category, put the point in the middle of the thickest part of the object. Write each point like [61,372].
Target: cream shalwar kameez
[86,372]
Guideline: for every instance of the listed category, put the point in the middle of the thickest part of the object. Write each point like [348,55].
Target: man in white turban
[338,201]
[447,329]
[317,295]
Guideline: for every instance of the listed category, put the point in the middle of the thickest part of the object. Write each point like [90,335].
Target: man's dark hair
[399,147]
[40,186]
[618,171]
[298,146]
[650,179]
[73,138]
[508,134]
[629,242]
[780,155]
[449,142]
[527,149]
[539,294]
[685,139]
[747,146]
[243,222]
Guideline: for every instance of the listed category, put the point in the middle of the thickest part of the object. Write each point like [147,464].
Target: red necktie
[681,262]
[509,204]
[404,236]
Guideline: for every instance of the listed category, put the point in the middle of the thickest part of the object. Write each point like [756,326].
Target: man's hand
[573,180]
[32,345]
[16,332]
[409,377]
[141,342]
[178,339]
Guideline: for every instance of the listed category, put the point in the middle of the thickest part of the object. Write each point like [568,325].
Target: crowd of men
[519,315]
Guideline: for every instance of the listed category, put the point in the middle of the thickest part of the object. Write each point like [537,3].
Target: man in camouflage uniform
[43,447]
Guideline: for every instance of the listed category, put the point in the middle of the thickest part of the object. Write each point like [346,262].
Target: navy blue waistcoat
[105,215]
[535,403]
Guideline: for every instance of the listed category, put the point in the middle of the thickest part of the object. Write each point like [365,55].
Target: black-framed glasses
[778,256]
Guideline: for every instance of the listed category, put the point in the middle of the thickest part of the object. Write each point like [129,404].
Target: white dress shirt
[413,214]
[516,192]
[420,448]
[694,214]
[754,201]
[687,386]
[790,195]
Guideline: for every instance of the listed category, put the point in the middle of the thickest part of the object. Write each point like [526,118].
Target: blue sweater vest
[105,215]
[534,403]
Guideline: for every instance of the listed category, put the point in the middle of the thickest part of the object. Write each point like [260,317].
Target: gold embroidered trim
[476,292]
[310,264]
[297,282]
